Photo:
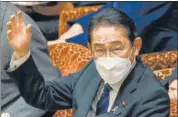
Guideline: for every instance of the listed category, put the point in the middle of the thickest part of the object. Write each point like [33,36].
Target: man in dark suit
[115,83]
[11,101]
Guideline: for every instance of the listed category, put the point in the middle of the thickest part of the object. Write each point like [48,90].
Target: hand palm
[19,35]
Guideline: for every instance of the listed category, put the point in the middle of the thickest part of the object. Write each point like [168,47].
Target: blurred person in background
[156,23]
[46,14]
[11,100]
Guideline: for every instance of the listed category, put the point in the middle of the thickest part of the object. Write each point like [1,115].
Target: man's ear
[137,45]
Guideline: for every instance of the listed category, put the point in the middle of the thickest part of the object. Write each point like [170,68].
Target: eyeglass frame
[106,49]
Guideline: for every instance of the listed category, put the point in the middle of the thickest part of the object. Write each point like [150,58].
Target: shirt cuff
[15,63]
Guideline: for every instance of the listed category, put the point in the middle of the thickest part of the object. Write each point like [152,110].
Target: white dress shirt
[15,63]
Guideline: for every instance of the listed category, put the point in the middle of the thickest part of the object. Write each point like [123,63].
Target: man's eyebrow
[116,42]
[98,44]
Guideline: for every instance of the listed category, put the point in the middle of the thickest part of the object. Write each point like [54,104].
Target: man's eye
[118,48]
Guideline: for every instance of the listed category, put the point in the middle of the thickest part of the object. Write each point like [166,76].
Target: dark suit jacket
[11,101]
[144,95]
[149,18]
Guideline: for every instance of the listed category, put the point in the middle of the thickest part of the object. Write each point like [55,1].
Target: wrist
[19,55]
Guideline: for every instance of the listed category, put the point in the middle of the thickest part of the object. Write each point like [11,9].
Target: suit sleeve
[38,92]
[155,104]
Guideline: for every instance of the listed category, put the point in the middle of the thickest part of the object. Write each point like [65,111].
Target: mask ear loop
[130,53]
[130,56]
[134,62]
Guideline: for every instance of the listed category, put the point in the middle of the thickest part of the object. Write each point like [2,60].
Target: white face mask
[113,69]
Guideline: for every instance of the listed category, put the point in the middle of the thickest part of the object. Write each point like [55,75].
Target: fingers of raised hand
[28,30]
[9,34]
[19,17]
[9,25]
[13,20]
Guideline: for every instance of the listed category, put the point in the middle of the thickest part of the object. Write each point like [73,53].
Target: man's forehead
[109,34]
[112,39]
[109,40]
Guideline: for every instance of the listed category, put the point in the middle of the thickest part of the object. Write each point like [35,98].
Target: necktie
[103,103]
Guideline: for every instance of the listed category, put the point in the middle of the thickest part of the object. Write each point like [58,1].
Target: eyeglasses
[113,51]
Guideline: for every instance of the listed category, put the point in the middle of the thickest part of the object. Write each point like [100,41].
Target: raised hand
[19,35]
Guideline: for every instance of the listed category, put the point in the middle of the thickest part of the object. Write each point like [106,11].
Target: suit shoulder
[150,81]
[149,87]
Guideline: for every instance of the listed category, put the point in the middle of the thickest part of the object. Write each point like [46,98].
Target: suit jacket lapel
[89,95]
[128,87]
